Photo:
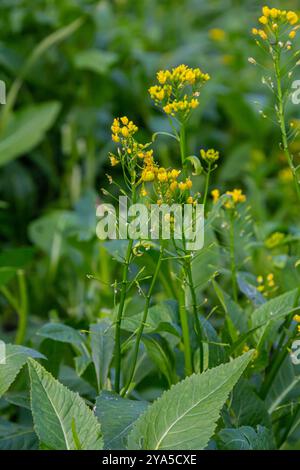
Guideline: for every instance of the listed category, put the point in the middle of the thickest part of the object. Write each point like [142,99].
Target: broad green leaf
[117,416]
[17,437]
[55,408]
[185,416]
[26,129]
[246,438]
[102,345]
[273,310]
[285,387]
[247,408]
[15,358]
[62,333]
[160,318]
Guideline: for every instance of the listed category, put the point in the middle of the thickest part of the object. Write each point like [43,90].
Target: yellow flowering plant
[276,36]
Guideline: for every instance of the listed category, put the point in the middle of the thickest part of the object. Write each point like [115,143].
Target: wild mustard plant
[276,35]
[177,94]
[232,199]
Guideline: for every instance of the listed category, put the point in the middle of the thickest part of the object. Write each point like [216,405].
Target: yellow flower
[125,132]
[188,183]
[262,34]
[113,160]
[266,11]
[173,174]
[296,318]
[292,34]
[255,31]
[210,156]
[274,240]
[292,17]
[215,195]
[270,279]
[236,196]
[124,120]
[173,186]
[190,200]
[182,186]
[148,175]
[162,175]
[263,20]
[217,34]
[260,279]
[144,192]
[246,348]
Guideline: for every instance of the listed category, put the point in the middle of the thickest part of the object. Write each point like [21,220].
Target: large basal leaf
[273,310]
[102,345]
[17,437]
[26,129]
[15,358]
[185,416]
[246,438]
[117,416]
[61,418]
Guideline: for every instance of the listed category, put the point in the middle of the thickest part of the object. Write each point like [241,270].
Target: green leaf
[17,257]
[15,358]
[6,274]
[247,408]
[286,386]
[61,332]
[246,438]
[117,416]
[185,416]
[160,354]
[17,437]
[26,130]
[273,310]
[102,345]
[54,408]
[196,165]
[95,60]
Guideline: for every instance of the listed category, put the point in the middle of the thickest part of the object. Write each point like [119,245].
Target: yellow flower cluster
[273,19]
[210,156]
[296,318]
[122,129]
[215,195]
[266,285]
[274,240]
[236,196]
[170,93]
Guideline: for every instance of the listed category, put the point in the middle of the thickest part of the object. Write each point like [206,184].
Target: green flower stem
[281,119]
[232,258]
[143,322]
[183,315]
[120,315]
[122,303]
[183,147]
[23,310]
[198,326]
[206,185]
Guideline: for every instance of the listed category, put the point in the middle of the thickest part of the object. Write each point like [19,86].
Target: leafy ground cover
[146,344]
